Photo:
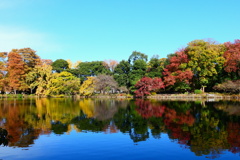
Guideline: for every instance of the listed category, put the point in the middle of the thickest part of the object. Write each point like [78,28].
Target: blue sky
[90,30]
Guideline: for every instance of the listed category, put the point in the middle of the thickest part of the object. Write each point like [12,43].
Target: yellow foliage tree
[87,88]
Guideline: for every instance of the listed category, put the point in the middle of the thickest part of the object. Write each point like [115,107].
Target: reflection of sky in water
[79,145]
[87,129]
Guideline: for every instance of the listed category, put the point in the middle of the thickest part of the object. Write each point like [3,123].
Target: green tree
[137,55]
[60,65]
[137,72]
[155,67]
[121,73]
[93,68]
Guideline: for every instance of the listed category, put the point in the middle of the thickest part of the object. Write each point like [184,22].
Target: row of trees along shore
[200,66]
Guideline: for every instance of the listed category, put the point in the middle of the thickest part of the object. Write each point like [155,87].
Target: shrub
[197,91]
[153,93]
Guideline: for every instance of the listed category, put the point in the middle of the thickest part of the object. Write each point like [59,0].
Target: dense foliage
[201,65]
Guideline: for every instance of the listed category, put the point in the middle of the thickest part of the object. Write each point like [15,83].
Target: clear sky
[90,30]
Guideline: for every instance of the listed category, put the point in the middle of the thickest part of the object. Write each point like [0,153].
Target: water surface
[119,129]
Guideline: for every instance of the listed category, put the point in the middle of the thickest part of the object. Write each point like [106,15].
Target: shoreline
[184,97]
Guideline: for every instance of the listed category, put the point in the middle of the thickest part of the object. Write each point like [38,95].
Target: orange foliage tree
[16,70]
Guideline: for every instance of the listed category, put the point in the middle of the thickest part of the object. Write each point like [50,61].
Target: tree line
[201,65]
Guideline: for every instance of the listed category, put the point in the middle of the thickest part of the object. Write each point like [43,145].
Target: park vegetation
[201,65]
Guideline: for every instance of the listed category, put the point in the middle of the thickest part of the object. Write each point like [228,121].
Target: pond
[118,129]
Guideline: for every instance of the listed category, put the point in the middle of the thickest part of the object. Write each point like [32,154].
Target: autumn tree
[176,74]
[111,64]
[46,61]
[88,87]
[3,71]
[228,86]
[30,58]
[105,83]
[15,67]
[63,83]
[232,56]
[39,78]
[205,61]
[146,85]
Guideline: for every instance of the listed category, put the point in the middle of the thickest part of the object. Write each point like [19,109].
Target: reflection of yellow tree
[62,110]
[209,141]
[87,106]
[72,127]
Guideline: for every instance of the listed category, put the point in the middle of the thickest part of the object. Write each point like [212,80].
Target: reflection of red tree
[174,121]
[172,116]
[234,137]
[177,133]
[147,109]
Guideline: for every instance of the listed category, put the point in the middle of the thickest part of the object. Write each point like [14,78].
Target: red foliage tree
[176,71]
[146,84]
[232,56]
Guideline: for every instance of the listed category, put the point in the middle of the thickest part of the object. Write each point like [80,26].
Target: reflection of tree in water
[205,130]
[96,115]
[19,133]
[89,124]
[231,107]
[105,110]
[26,119]
[59,128]
[233,129]
[3,137]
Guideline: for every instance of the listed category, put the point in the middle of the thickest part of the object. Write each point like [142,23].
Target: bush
[153,93]
[197,91]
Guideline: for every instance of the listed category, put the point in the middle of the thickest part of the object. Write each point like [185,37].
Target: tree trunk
[203,89]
